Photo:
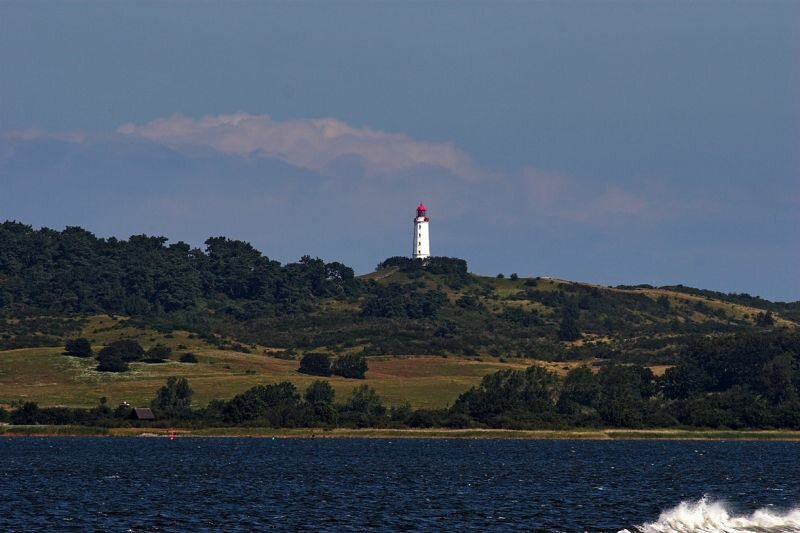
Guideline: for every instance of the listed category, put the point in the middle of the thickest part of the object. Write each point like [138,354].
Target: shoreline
[379,433]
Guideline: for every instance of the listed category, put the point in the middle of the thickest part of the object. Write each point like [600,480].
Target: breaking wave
[706,515]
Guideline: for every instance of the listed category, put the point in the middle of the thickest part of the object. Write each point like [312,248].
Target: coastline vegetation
[748,382]
[542,354]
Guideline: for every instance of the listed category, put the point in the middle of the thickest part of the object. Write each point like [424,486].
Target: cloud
[321,145]
[333,150]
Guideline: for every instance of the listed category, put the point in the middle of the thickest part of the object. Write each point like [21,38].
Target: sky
[606,142]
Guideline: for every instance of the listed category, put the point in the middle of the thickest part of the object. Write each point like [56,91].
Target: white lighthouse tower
[422,244]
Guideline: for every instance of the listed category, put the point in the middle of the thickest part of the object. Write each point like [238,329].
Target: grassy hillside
[46,376]
[522,318]
[430,330]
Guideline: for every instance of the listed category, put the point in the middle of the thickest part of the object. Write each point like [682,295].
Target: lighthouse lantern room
[422,246]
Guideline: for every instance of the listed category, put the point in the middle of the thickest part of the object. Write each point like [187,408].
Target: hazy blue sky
[610,142]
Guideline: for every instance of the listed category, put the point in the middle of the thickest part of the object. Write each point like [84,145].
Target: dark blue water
[232,484]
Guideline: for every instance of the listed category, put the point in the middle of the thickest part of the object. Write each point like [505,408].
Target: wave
[706,515]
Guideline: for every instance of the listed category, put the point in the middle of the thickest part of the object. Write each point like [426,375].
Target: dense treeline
[278,405]
[747,381]
[73,271]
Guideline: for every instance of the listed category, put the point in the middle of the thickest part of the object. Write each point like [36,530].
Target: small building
[142,413]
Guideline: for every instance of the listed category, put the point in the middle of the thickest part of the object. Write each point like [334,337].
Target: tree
[365,404]
[320,392]
[579,391]
[514,276]
[624,391]
[568,329]
[765,319]
[365,400]
[469,301]
[27,414]
[110,360]
[277,404]
[129,349]
[685,380]
[157,354]
[78,347]
[319,397]
[777,379]
[350,366]
[512,397]
[315,364]
[174,399]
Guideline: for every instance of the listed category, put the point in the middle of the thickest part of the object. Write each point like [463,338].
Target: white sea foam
[708,516]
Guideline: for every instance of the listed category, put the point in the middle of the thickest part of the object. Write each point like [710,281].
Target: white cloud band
[315,144]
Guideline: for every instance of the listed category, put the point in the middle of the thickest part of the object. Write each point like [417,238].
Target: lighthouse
[422,244]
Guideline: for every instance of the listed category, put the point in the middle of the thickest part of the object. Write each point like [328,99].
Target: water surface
[244,484]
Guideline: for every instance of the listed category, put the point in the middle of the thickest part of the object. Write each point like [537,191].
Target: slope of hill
[44,375]
[235,308]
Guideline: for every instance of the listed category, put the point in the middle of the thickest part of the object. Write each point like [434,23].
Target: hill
[46,376]
[431,331]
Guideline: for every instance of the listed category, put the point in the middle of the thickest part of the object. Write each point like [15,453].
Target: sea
[291,484]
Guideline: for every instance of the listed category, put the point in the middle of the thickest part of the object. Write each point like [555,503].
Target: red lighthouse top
[421,208]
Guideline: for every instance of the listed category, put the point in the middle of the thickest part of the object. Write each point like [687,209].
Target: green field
[49,378]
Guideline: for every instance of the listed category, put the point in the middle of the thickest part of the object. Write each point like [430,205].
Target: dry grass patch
[46,376]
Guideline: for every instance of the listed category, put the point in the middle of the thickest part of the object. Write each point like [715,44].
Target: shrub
[424,418]
[316,364]
[27,414]
[157,354]
[350,366]
[129,349]
[78,347]
[110,360]
[188,357]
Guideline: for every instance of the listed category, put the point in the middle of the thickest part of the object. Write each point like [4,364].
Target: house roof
[143,413]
